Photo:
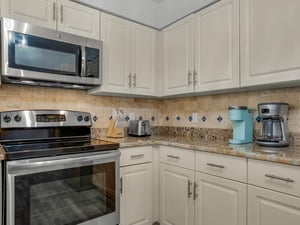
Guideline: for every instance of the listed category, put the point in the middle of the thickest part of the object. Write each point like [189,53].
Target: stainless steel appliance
[39,56]
[273,118]
[139,128]
[55,173]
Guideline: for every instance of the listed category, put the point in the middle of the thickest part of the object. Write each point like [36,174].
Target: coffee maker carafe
[273,118]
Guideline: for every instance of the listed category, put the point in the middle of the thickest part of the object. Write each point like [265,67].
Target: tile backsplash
[212,110]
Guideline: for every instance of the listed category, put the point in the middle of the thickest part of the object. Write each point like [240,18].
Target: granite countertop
[286,155]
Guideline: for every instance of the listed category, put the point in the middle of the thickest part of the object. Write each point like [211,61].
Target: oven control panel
[44,118]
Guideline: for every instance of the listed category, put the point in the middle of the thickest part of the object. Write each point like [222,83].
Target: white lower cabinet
[219,201]
[205,191]
[136,186]
[136,195]
[266,207]
[176,196]
[273,193]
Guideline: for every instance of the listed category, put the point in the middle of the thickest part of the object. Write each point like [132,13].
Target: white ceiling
[154,13]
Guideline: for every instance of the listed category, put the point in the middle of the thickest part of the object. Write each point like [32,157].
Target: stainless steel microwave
[39,56]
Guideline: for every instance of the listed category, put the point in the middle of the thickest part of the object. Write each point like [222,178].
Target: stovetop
[44,148]
[42,133]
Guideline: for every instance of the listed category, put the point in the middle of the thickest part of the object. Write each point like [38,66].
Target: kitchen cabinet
[202,188]
[220,201]
[176,186]
[176,199]
[269,42]
[178,57]
[221,189]
[63,15]
[129,63]
[217,46]
[201,51]
[136,186]
[273,193]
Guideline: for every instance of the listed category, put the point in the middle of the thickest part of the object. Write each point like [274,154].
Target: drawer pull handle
[137,156]
[173,156]
[215,165]
[189,188]
[280,178]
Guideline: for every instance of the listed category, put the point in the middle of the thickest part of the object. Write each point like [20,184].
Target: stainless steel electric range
[55,173]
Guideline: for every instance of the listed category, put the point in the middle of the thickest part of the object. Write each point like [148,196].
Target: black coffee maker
[273,118]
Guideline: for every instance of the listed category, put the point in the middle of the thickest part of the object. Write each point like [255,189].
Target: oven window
[65,197]
[43,55]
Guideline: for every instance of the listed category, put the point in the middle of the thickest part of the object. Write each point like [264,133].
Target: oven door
[64,190]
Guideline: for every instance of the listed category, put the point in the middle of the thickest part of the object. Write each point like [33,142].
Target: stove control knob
[6,119]
[17,118]
[87,118]
[79,118]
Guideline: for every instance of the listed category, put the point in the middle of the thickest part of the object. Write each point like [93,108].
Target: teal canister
[242,121]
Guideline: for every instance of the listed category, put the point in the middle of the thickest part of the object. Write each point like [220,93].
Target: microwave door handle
[81,62]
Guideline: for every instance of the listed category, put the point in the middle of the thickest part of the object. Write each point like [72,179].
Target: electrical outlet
[194,117]
[131,116]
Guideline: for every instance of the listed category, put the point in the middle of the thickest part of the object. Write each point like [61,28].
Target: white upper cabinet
[129,63]
[78,19]
[39,12]
[143,63]
[270,41]
[217,46]
[115,37]
[201,51]
[178,57]
[63,15]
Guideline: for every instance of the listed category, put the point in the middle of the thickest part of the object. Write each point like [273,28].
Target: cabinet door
[267,207]
[78,19]
[178,57]
[176,204]
[136,195]
[39,12]
[217,46]
[270,41]
[143,63]
[220,201]
[116,58]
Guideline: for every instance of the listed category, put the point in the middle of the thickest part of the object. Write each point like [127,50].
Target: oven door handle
[21,167]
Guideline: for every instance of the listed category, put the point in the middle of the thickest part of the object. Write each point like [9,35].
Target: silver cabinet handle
[121,185]
[137,156]
[62,13]
[134,80]
[129,80]
[195,190]
[279,178]
[189,188]
[189,78]
[54,11]
[173,156]
[215,165]
[195,77]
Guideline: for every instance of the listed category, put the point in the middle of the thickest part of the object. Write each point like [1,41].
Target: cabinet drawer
[135,155]
[177,157]
[274,176]
[230,167]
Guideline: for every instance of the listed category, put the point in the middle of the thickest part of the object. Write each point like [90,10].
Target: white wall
[148,12]
[143,11]
[172,10]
